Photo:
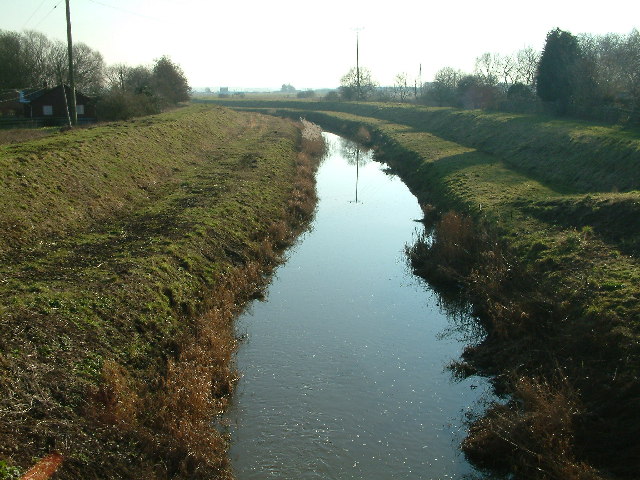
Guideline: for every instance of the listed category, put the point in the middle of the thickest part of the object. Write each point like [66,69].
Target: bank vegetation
[126,251]
[535,220]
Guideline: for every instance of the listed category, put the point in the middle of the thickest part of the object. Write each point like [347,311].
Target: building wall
[52,104]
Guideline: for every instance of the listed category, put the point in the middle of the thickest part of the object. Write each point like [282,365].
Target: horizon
[280,43]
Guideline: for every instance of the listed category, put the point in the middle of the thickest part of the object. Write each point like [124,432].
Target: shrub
[123,106]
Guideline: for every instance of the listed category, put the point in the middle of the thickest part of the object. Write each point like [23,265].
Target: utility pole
[72,82]
[358,89]
[357,171]
[358,64]
[66,100]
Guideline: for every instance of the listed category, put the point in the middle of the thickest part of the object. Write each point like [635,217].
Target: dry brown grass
[172,415]
[532,436]
[303,198]
[363,135]
[195,388]
[24,134]
[455,239]
[462,252]
[280,233]
[448,256]
[116,401]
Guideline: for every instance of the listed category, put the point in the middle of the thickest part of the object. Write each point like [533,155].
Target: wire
[28,94]
[49,13]
[125,11]
[34,12]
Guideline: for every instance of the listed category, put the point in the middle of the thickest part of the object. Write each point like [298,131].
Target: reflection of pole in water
[357,171]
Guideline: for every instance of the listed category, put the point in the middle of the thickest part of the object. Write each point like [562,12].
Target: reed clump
[449,251]
[303,198]
[312,141]
[532,436]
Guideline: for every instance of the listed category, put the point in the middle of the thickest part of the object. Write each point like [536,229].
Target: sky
[264,44]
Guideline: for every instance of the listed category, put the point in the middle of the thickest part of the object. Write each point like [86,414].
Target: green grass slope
[126,251]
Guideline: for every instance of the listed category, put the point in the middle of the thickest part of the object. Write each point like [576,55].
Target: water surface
[343,370]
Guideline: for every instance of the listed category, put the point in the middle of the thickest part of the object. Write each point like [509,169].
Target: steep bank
[545,244]
[126,251]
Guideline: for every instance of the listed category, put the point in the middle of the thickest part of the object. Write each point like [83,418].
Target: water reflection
[355,155]
[462,326]
[344,373]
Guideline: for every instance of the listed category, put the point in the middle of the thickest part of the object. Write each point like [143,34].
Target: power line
[29,94]
[34,12]
[47,15]
[125,11]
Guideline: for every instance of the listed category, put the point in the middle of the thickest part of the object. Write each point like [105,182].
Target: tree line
[30,60]
[585,76]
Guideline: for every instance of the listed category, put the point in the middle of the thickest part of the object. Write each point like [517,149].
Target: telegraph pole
[358,64]
[72,82]
[358,89]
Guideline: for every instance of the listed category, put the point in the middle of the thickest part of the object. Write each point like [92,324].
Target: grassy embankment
[545,240]
[126,251]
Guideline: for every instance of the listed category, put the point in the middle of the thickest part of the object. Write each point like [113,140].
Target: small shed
[50,104]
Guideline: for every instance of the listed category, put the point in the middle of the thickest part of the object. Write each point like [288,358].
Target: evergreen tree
[169,81]
[555,79]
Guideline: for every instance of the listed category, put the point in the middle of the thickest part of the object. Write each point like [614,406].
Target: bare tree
[487,68]
[12,70]
[116,77]
[56,63]
[35,51]
[32,60]
[444,88]
[400,88]
[630,59]
[507,66]
[89,68]
[354,88]
[448,77]
[520,67]
[614,64]
[526,66]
